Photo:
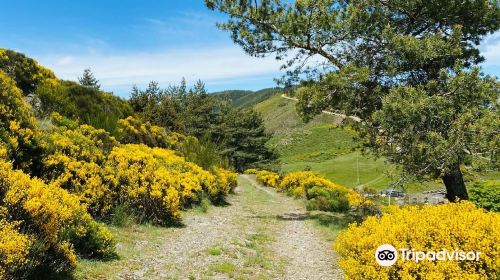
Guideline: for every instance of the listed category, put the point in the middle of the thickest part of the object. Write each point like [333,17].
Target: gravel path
[261,234]
[307,255]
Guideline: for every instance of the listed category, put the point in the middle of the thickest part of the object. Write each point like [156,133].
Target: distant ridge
[247,98]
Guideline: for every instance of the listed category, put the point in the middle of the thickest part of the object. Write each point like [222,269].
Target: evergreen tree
[88,80]
[245,138]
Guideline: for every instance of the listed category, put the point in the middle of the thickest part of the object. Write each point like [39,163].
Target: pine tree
[88,80]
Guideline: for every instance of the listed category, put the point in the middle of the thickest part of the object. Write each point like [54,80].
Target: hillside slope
[246,98]
[323,147]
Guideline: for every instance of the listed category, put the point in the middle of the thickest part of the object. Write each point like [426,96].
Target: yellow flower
[268,178]
[448,227]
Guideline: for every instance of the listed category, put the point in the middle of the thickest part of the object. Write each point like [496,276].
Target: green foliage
[244,139]
[88,80]
[238,134]
[203,152]
[86,104]
[324,199]
[433,128]
[47,94]
[486,194]
[160,107]
[95,244]
[121,216]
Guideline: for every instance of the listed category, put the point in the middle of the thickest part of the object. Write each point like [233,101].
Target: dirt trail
[307,254]
[261,234]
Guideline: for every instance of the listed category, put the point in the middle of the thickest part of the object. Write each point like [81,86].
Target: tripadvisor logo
[387,255]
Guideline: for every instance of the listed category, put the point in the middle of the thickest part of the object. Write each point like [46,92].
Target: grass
[214,251]
[127,237]
[322,146]
[224,267]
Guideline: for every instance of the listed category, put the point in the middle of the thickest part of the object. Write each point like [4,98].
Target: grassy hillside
[246,98]
[323,147]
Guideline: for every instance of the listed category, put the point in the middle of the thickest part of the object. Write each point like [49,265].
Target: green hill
[246,98]
[323,147]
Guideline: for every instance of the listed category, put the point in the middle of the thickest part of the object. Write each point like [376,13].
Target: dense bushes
[83,172]
[154,183]
[26,72]
[430,228]
[14,249]
[45,223]
[226,182]
[486,194]
[48,94]
[50,224]
[75,160]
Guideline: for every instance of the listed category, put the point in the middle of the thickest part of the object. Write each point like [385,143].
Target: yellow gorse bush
[76,163]
[157,183]
[17,125]
[268,178]
[53,218]
[226,182]
[448,227]
[135,131]
[300,183]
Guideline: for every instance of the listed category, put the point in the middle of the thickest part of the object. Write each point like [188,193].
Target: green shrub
[88,105]
[486,194]
[203,152]
[121,216]
[326,199]
[96,243]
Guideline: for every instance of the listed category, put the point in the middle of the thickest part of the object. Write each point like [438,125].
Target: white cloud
[211,65]
[490,49]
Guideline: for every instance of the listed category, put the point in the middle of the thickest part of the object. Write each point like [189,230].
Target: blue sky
[128,42]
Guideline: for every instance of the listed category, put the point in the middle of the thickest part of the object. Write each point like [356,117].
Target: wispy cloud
[216,66]
[490,48]
[212,65]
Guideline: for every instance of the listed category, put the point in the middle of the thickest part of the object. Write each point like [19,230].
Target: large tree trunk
[455,186]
